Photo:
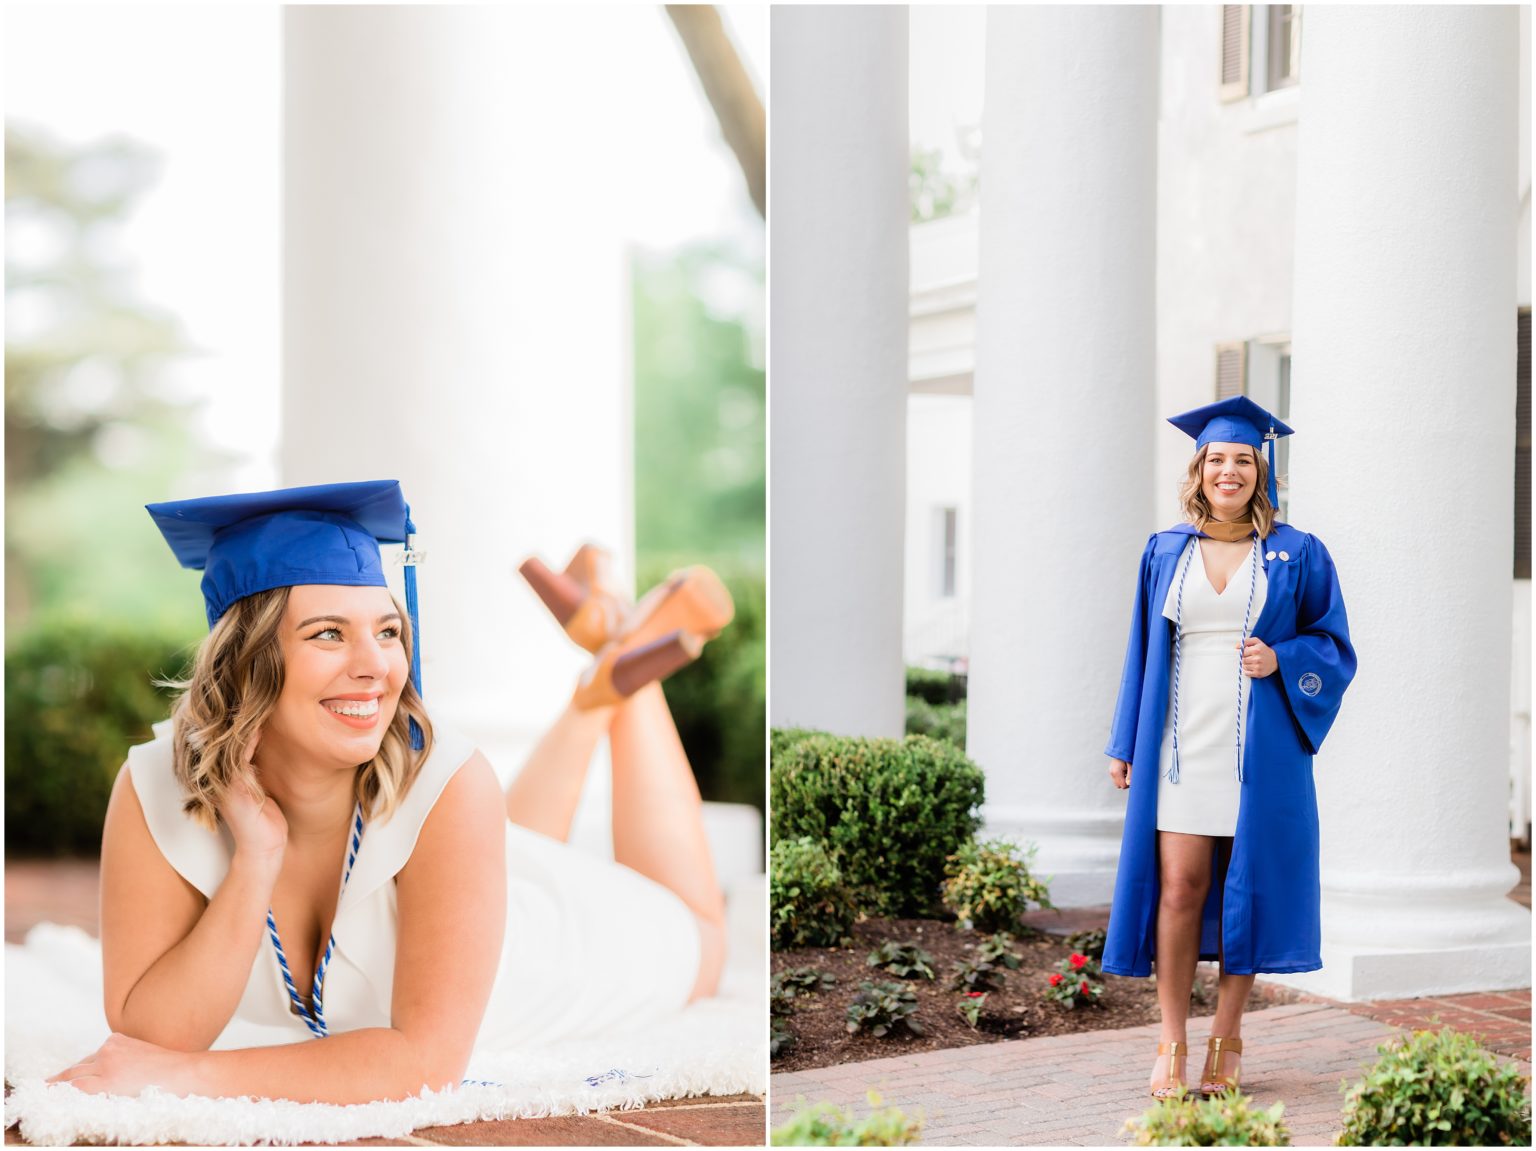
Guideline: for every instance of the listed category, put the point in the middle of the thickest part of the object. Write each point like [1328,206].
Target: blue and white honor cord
[1178,640]
[315,1020]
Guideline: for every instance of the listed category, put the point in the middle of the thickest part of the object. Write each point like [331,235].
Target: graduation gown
[1266,915]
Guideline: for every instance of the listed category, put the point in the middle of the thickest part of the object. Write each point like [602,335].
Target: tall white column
[452,319]
[1064,420]
[838,352]
[1403,462]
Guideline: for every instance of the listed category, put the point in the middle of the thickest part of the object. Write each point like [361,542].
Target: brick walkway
[65,891]
[1078,1090]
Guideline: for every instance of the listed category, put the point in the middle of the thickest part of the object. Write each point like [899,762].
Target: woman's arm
[452,913]
[174,965]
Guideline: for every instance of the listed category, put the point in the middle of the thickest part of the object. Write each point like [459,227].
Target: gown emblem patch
[1310,684]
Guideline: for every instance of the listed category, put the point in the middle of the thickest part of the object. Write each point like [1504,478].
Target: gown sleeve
[1122,729]
[1317,664]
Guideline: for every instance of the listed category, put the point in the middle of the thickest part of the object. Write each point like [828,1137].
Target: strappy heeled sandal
[1174,1083]
[580,597]
[1212,1081]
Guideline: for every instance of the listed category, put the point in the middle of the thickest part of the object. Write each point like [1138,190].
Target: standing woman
[1238,659]
[311,891]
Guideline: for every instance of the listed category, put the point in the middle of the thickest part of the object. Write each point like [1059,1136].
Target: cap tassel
[418,739]
[1274,489]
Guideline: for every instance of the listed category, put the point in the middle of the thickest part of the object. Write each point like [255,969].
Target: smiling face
[344,667]
[1228,478]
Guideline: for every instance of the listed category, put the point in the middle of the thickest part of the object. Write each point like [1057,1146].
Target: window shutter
[1231,370]
[1234,51]
[1523,447]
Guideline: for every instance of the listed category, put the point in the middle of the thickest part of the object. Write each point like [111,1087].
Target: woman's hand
[254,818]
[124,1066]
[1120,773]
[1259,659]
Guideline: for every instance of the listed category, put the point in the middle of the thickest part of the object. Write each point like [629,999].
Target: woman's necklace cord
[1178,638]
[315,1020]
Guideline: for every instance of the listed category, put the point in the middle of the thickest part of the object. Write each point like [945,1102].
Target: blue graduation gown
[1267,918]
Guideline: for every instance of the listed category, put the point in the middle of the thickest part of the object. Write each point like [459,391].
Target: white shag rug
[54,1018]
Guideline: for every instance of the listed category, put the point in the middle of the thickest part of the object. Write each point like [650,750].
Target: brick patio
[66,891]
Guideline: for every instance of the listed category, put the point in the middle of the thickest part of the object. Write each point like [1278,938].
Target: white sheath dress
[1204,801]
[591,947]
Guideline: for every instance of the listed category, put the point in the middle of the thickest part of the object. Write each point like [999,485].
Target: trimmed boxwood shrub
[76,699]
[809,904]
[890,810]
[1186,1120]
[940,720]
[1437,1089]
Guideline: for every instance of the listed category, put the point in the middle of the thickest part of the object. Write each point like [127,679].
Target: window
[1260,49]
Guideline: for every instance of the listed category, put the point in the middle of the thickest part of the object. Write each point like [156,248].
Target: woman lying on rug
[310,892]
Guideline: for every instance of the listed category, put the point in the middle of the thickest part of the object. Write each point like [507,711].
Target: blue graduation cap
[324,534]
[1237,420]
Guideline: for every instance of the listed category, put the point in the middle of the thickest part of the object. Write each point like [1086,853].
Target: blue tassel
[1274,486]
[418,740]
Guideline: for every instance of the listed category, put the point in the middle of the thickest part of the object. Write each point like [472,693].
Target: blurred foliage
[933,192]
[720,702]
[76,698]
[700,409]
[935,686]
[92,423]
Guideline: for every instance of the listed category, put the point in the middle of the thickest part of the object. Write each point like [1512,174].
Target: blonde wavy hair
[1197,509]
[232,690]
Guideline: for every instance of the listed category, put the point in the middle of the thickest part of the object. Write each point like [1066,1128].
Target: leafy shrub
[933,686]
[803,980]
[719,702]
[76,699]
[810,904]
[939,720]
[990,885]
[1089,943]
[998,950]
[890,810]
[780,1037]
[827,1125]
[904,959]
[1185,1120]
[1437,1089]
[981,976]
[1073,984]
[782,738]
[881,1007]
[970,1007]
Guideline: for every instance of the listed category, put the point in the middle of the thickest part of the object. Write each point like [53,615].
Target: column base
[1357,973]
[1079,850]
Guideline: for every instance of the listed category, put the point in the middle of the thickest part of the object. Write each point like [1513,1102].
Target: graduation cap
[324,534]
[1237,420]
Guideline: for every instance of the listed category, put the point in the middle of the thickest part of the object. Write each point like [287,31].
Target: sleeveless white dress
[1205,800]
[591,947]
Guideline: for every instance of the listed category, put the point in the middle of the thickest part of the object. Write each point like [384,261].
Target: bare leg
[658,826]
[1184,872]
[543,797]
[1231,994]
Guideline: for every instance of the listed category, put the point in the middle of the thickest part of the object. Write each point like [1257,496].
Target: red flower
[1056,979]
[1078,960]
[974,994]
[1083,987]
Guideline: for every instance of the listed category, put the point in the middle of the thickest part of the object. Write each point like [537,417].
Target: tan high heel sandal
[1174,1083]
[1212,1081]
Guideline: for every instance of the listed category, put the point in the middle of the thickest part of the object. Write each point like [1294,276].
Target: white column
[838,352]
[1064,420]
[1403,462]
[452,320]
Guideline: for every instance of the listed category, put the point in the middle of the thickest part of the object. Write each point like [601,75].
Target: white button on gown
[1204,801]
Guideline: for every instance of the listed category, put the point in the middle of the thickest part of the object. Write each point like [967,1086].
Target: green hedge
[940,720]
[935,686]
[720,702]
[76,699]
[890,810]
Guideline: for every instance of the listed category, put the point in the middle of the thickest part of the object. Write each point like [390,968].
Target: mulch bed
[1017,1011]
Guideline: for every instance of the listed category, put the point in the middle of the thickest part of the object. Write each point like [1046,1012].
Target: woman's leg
[543,797]
[1231,990]
[658,825]
[1184,873]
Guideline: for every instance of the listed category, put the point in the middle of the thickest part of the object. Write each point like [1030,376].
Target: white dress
[1204,801]
[591,947]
